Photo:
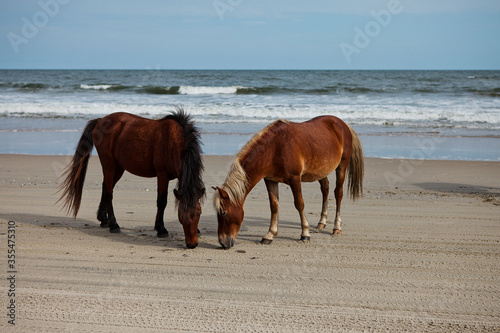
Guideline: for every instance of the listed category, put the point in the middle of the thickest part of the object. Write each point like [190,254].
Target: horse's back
[330,123]
[312,149]
[319,136]
[139,145]
[124,129]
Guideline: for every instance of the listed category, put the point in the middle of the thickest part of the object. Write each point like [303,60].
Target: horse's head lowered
[189,217]
[229,216]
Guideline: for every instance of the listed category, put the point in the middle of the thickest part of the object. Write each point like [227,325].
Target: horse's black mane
[190,183]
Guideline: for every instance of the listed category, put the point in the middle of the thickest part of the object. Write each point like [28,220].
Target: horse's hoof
[321,226]
[162,234]
[266,241]
[305,238]
[337,232]
[115,230]
[105,224]
[199,232]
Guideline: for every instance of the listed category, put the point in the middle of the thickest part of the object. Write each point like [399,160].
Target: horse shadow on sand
[142,233]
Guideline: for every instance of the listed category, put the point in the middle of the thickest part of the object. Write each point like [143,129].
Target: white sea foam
[191,90]
[95,86]
[241,113]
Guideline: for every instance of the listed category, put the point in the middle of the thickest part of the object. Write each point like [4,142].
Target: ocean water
[399,114]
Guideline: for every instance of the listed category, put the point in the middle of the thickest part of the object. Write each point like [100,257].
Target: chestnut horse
[290,153]
[166,148]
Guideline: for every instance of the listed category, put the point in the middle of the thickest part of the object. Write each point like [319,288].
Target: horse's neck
[255,169]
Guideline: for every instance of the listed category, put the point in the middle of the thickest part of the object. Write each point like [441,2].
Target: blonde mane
[235,186]
[236,181]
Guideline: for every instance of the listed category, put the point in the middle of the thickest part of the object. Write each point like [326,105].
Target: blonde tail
[356,168]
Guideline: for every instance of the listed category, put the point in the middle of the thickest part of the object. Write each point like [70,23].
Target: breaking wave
[336,89]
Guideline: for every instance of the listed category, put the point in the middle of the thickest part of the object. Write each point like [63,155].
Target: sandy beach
[420,252]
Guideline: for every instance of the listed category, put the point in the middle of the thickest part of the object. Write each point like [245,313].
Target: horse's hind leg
[106,214]
[325,189]
[273,191]
[339,192]
[102,214]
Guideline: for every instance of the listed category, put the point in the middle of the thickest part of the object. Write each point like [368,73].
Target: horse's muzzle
[227,243]
[192,246]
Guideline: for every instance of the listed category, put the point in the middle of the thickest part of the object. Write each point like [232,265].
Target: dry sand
[419,252]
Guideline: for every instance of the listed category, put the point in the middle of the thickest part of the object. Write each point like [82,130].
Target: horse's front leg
[325,189]
[161,203]
[273,191]
[296,187]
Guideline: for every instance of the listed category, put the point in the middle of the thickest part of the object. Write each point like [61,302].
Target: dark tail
[75,171]
[356,168]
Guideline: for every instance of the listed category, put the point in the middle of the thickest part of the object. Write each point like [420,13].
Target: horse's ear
[223,194]
[177,194]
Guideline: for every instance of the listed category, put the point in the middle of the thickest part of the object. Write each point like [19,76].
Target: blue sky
[250,34]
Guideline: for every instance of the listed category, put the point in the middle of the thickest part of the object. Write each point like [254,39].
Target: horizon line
[234,69]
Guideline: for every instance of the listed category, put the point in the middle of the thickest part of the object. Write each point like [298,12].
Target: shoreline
[419,254]
[378,145]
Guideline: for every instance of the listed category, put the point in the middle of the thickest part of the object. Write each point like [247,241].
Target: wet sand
[419,252]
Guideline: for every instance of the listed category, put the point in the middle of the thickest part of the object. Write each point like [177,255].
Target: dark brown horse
[167,148]
[290,153]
